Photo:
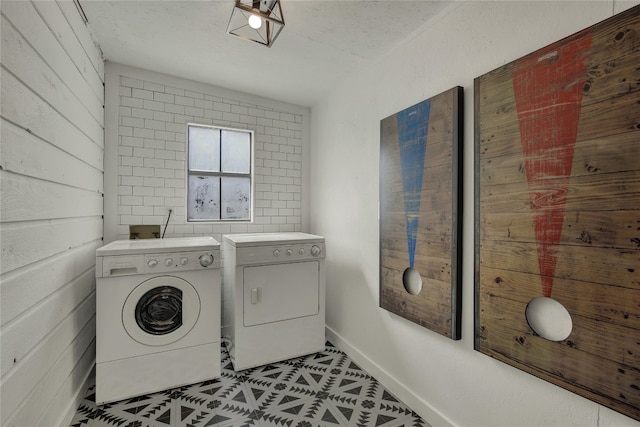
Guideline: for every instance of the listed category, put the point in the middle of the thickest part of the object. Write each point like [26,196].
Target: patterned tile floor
[323,389]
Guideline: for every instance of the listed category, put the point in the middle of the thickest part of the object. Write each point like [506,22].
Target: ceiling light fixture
[255,22]
[259,21]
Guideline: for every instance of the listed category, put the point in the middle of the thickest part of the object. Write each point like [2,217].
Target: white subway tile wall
[152,154]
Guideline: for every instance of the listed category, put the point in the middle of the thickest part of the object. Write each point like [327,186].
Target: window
[219,179]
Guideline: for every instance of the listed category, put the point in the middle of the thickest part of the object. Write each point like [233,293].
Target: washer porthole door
[161,310]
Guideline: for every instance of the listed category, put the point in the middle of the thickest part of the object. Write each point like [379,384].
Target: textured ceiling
[322,42]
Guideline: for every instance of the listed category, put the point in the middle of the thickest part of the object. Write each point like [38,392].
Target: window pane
[236,151]
[203,200]
[236,198]
[204,149]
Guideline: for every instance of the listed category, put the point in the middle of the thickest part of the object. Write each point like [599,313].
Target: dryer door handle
[256,295]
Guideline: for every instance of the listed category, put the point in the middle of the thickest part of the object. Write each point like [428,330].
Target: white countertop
[262,239]
[146,246]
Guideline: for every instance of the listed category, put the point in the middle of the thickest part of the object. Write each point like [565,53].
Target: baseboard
[78,397]
[422,408]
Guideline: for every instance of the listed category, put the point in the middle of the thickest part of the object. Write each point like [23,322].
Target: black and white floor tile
[323,389]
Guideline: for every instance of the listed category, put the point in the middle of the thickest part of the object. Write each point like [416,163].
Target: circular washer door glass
[161,310]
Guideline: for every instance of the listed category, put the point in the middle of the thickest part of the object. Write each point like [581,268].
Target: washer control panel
[183,261]
[124,265]
[267,254]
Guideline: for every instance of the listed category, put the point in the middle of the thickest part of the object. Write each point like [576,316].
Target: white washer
[274,297]
[157,315]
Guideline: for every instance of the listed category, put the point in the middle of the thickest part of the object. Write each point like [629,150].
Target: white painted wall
[146,122]
[51,171]
[446,381]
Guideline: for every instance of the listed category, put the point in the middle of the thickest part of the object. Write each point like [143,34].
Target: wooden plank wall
[598,247]
[51,173]
[437,306]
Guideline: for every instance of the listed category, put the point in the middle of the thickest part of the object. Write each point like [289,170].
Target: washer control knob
[289,252]
[206,260]
[276,252]
[301,251]
[184,260]
[315,250]
[152,262]
[168,262]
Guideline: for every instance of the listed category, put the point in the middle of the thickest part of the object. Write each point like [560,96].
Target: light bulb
[255,22]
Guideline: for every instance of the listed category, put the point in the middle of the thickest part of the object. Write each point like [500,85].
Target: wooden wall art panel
[557,139]
[420,201]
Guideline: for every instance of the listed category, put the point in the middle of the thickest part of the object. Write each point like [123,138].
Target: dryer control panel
[124,265]
[277,254]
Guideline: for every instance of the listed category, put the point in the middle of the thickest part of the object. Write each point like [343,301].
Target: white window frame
[250,175]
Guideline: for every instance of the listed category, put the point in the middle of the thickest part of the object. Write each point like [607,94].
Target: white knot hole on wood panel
[549,319]
[412,281]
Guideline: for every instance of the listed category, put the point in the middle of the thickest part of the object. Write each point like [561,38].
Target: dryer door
[273,293]
[161,310]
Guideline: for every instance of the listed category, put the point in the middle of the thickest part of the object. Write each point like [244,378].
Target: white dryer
[157,315]
[273,297]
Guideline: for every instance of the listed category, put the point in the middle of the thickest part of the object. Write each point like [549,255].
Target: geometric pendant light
[257,21]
